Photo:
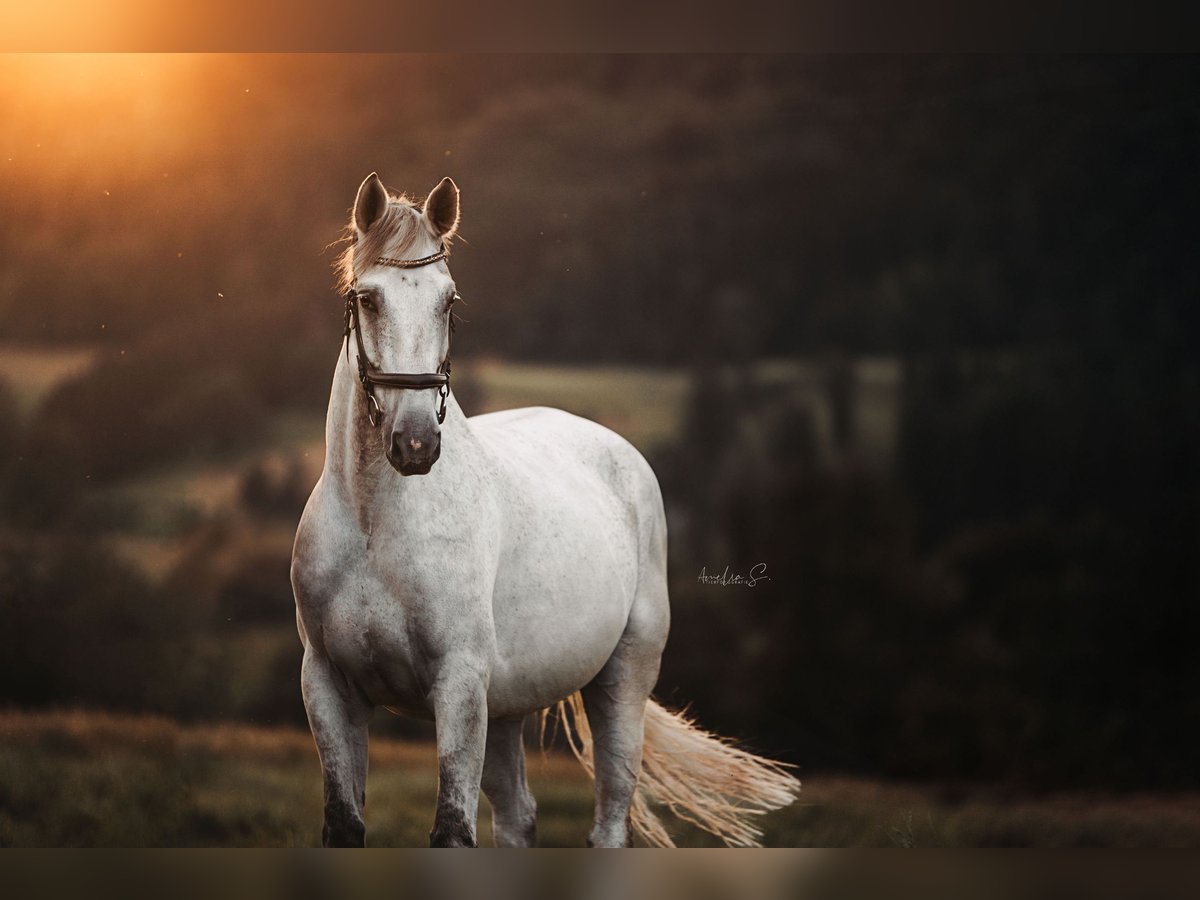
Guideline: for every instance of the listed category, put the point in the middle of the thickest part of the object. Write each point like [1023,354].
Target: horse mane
[394,233]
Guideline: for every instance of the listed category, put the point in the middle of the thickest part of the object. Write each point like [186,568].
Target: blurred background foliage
[920,334]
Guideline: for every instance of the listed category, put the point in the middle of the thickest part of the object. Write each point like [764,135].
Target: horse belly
[556,626]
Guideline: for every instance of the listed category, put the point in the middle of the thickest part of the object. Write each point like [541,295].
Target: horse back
[553,448]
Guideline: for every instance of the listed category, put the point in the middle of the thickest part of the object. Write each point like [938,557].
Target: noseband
[370,377]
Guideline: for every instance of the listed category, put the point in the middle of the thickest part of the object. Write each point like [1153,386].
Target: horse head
[399,296]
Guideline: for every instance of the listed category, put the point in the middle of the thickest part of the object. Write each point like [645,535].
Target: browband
[413,263]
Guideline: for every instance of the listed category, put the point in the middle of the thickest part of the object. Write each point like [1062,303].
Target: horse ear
[441,208]
[370,203]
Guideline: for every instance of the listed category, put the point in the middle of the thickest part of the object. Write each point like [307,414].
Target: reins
[370,377]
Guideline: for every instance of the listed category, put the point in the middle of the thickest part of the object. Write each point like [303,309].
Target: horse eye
[366,301]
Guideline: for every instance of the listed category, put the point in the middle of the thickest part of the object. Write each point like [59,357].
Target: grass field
[33,372]
[97,780]
[646,406]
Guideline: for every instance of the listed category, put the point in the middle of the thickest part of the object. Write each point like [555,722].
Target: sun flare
[68,79]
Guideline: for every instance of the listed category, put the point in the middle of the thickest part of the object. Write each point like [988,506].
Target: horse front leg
[338,716]
[460,714]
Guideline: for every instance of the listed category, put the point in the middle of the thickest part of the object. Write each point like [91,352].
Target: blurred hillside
[920,334]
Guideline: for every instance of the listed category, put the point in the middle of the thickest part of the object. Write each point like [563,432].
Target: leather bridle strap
[419,381]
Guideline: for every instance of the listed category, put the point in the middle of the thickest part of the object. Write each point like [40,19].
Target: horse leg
[460,714]
[615,702]
[514,811]
[338,717]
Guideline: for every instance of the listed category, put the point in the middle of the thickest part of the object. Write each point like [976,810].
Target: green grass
[33,372]
[643,405]
[97,780]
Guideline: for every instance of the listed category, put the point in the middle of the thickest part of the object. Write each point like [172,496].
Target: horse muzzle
[411,454]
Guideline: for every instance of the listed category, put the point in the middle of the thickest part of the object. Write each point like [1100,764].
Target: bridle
[370,377]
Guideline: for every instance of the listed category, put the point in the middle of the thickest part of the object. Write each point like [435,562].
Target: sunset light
[79,24]
[847,403]
[89,77]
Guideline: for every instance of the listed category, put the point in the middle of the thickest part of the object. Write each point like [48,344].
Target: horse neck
[354,457]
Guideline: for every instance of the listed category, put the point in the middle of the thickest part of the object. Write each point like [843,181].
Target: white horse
[525,571]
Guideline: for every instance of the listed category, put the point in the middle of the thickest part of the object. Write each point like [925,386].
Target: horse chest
[366,639]
[356,619]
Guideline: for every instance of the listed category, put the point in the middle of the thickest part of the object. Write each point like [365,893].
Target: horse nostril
[415,444]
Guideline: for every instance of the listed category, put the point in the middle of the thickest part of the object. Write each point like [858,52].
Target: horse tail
[698,776]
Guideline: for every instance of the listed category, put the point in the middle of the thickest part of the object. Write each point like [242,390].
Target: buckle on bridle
[443,393]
